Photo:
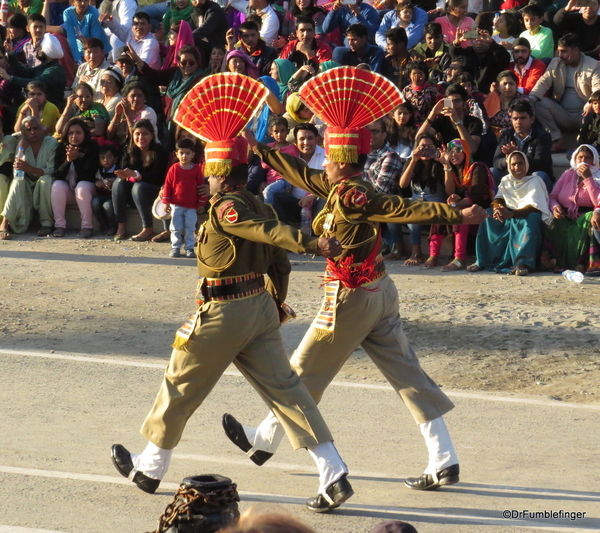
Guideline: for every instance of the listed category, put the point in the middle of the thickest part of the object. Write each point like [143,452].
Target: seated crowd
[88,94]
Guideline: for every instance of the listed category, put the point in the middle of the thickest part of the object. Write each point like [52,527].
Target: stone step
[560,163]
[134,222]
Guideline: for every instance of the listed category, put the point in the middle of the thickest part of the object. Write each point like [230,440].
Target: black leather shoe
[339,492]
[447,476]
[121,458]
[235,433]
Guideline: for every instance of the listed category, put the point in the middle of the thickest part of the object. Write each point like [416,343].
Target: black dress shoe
[121,458]
[338,492]
[235,433]
[447,476]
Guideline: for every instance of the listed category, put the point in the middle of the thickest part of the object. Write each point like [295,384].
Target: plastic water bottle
[479,114]
[306,219]
[20,174]
[573,275]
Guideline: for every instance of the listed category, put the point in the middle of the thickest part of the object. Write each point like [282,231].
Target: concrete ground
[83,344]
[62,412]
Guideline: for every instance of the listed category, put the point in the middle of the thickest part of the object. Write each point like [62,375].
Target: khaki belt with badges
[218,289]
[234,288]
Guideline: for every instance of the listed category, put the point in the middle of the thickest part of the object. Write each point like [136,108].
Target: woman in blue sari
[511,239]
[281,73]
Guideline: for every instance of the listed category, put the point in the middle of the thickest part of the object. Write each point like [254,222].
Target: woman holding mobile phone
[424,174]
[473,185]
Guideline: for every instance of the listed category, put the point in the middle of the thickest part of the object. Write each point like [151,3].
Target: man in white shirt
[139,37]
[122,12]
[270,23]
[306,140]
[288,205]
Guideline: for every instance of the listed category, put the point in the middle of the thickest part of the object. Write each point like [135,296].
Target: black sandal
[520,270]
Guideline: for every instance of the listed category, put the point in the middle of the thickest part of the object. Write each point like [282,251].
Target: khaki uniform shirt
[356,208]
[242,235]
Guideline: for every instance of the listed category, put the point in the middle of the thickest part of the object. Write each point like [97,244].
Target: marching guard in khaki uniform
[243,283]
[360,306]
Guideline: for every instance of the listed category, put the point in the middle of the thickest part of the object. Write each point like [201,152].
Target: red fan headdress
[216,110]
[347,99]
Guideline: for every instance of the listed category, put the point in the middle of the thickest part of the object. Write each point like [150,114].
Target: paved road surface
[61,413]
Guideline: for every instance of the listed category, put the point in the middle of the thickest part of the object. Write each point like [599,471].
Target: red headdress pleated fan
[216,110]
[347,99]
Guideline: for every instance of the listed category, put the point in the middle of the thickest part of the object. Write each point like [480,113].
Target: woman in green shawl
[179,10]
[282,71]
[277,83]
[327,65]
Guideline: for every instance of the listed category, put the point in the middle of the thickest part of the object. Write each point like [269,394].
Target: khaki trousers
[555,119]
[245,332]
[371,319]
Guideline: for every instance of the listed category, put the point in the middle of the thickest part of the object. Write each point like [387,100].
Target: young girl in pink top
[419,93]
[455,19]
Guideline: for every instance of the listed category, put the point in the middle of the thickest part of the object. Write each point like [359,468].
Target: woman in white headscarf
[511,239]
[50,71]
[568,243]
[111,83]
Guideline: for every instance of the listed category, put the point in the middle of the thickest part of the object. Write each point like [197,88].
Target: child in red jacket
[182,191]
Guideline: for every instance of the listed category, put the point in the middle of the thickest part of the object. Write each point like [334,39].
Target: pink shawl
[184,37]
[566,192]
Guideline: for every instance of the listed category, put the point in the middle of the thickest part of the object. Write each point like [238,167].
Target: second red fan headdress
[347,99]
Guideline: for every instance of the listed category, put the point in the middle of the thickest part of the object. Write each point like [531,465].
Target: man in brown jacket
[563,90]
